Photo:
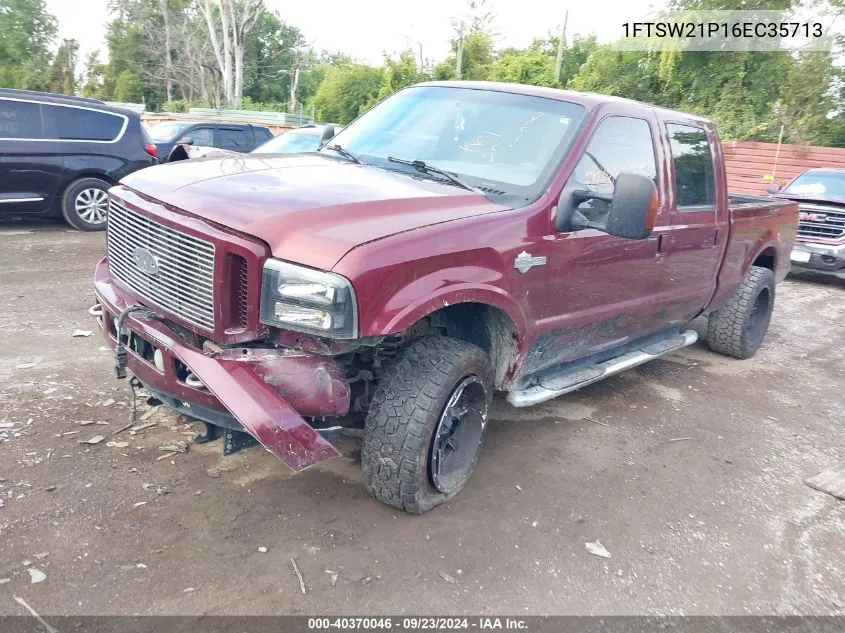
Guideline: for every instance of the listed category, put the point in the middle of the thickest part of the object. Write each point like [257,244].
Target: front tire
[85,204]
[739,328]
[426,423]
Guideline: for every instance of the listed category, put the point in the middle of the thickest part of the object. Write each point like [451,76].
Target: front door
[31,166]
[601,289]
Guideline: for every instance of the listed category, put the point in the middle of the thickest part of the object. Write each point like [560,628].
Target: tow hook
[120,349]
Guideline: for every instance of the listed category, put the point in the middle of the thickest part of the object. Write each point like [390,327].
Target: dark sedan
[235,137]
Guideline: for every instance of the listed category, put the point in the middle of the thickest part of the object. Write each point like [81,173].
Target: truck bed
[762,232]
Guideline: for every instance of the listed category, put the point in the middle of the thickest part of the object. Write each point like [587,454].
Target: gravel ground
[688,470]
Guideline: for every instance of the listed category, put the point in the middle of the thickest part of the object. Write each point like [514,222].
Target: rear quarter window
[81,124]
[262,134]
[20,120]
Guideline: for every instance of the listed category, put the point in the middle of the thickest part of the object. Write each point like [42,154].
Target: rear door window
[81,124]
[693,163]
[20,120]
[232,138]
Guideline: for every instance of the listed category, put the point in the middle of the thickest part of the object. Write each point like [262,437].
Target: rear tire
[85,204]
[739,328]
[426,423]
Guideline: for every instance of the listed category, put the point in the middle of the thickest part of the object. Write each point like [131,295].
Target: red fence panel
[751,166]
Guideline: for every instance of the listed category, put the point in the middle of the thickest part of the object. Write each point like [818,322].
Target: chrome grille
[819,221]
[184,281]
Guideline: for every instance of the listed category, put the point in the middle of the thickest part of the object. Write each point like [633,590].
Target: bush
[177,105]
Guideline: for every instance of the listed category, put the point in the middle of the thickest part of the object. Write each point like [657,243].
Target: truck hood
[807,198]
[308,208]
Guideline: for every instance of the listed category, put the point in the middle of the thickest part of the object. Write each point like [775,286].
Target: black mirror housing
[327,135]
[632,211]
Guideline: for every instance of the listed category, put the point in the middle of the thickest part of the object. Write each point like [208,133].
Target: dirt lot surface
[688,470]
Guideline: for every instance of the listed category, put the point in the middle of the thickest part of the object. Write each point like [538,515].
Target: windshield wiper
[431,169]
[345,153]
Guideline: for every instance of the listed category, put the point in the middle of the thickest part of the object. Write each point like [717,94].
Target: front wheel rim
[91,205]
[457,436]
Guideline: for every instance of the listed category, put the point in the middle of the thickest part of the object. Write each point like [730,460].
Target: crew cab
[455,240]
[820,246]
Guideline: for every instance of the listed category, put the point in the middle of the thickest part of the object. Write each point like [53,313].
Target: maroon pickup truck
[456,240]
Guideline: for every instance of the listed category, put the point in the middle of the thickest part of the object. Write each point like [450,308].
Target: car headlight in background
[308,300]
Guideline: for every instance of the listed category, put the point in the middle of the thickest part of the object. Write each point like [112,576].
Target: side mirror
[632,209]
[773,189]
[185,140]
[327,135]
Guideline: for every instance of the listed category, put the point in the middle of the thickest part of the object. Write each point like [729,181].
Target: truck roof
[588,99]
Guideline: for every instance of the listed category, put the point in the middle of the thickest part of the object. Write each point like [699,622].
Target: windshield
[164,132]
[818,183]
[290,143]
[506,144]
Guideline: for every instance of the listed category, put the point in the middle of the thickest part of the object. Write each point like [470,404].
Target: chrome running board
[565,383]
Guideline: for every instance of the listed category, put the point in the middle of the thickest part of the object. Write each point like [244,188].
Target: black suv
[59,155]
[237,137]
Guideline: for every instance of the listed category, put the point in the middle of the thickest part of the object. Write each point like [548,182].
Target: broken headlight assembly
[307,300]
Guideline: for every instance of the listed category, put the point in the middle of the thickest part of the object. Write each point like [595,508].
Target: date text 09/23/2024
[486,623]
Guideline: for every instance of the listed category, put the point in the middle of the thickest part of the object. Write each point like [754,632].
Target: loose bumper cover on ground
[267,390]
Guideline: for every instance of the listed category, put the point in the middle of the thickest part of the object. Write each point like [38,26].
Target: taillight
[151,150]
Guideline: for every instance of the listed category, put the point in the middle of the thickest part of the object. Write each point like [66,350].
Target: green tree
[346,91]
[630,74]
[130,87]
[62,77]
[529,66]
[477,58]
[26,32]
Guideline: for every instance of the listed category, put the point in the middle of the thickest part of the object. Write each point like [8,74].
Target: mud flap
[263,413]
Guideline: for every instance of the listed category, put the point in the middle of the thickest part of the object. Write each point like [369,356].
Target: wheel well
[82,176]
[483,325]
[766,259]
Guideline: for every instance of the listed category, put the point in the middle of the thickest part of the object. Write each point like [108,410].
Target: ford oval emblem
[145,261]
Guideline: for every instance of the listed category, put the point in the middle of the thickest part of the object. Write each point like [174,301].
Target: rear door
[30,165]
[698,219]
[234,138]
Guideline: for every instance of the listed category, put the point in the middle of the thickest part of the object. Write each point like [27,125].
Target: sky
[367,28]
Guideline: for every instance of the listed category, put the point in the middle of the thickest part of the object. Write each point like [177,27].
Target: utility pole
[561,43]
[460,51]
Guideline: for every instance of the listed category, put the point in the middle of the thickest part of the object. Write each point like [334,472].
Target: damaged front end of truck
[193,312]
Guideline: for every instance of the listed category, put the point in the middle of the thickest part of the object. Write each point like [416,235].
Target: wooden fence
[753,166]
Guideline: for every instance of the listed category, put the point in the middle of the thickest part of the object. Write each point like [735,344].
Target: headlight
[308,300]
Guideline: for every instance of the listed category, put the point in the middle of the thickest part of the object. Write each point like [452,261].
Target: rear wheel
[426,423]
[739,328]
[85,204]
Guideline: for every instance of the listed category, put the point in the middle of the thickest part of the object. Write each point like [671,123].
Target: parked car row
[234,137]
[307,138]
[59,155]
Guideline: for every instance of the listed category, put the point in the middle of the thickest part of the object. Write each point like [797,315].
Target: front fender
[427,294]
